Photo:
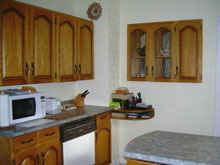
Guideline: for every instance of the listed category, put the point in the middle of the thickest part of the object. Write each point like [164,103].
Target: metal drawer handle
[28,141]
[49,134]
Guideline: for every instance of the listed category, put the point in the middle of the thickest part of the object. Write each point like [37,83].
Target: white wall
[180,107]
[69,7]
[99,86]
[106,59]
[217,105]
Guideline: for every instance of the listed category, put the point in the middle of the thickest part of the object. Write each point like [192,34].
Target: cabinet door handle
[103,117]
[50,134]
[33,71]
[177,71]
[76,69]
[80,67]
[146,70]
[26,69]
[152,71]
[43,157]
[28,141]
[38,159]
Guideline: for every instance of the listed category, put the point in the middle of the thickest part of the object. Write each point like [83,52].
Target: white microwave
[26,106]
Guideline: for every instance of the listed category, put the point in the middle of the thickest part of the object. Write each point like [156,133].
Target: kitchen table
[174,149]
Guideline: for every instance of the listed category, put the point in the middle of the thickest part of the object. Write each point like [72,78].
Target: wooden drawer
[25,141]
[103,119]
[48,134]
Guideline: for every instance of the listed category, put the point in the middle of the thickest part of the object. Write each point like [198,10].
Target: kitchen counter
[39,124]
[175,149]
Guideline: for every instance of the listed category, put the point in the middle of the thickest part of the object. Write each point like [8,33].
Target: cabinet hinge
[13,162]
[55,75]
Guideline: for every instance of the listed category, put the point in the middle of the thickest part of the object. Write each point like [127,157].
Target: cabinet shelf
[162,56]
[138,57]
[126,112]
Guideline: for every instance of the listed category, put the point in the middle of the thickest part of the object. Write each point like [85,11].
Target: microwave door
[23,108]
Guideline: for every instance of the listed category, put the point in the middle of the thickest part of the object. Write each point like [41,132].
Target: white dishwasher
[78,141]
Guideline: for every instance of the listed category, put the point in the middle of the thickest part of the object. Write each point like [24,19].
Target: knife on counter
[84,94]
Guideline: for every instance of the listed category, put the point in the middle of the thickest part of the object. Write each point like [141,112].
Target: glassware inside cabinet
[138,53]
[162,46]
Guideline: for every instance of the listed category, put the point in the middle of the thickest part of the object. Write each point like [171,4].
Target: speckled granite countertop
[175,148]
[39,124]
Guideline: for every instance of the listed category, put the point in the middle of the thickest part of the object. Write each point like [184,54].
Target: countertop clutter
[39,124]
[174,148]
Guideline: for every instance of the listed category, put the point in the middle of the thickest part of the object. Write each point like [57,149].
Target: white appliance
[52,104]
[4,112]
[25,106]
[80,151]
[78,141]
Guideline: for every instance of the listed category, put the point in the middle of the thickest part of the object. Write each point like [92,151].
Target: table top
[175,148]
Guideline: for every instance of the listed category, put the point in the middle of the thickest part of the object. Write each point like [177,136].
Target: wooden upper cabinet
[162,51]
[66,47]
[42,45]
[85,50]
[138,52]
[14,39]
[174,54]
[189,51]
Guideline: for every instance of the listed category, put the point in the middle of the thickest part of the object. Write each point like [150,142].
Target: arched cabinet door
[50,152]
[28,157]
[103,139]
[42,45]
[138,62]
[66,47]
[14,40]
[85,50]
[162,51]
[103,143]
[189,51]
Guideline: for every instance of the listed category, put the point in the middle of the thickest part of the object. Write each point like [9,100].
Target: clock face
[94,11]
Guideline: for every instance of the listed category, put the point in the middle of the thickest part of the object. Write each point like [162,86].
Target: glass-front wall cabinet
[165,51]
[137,44]
[161,44]
[138,54]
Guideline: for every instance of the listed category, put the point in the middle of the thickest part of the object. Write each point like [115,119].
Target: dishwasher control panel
[77,128]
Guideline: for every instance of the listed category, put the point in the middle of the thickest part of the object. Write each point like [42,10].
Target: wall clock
[94,11]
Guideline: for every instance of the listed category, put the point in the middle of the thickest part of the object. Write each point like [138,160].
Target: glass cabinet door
[137,54]
[162,52]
